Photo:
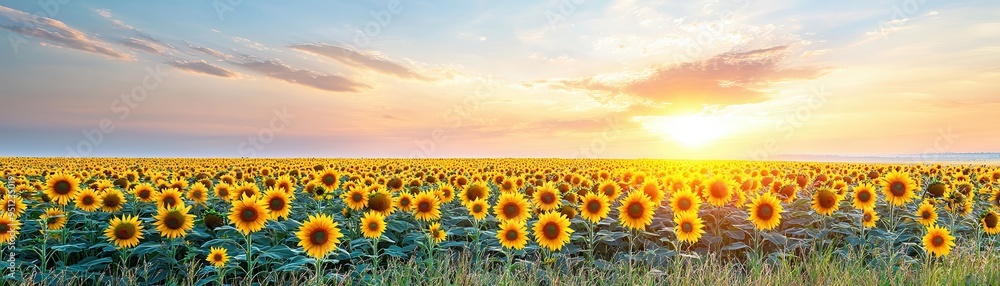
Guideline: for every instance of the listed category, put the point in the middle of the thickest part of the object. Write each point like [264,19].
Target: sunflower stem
[319,271]
[249,237]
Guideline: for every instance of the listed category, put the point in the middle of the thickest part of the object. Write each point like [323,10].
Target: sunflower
[787,191]
[249,214]
[478,208]
[144,192]
[328,179]
[224,191]
[825,201]
[864,196]
[435,232]
[381,201]
[719,190]
[595,207]
[991,222]
[445,193]
[198,193]
[765,211]
[13,202]
[112,200]
[246,189]
[426,206]
[319,235]
[373,225]
[278,203]
[552,230]
[61,188]
[53,218]
[868,218]
[124,231]
[688,227]
[937,190]
[926,213]
[218,257]
[476,190]
[938,241]
[546,197]
[356,198]
[174,222]
[513,234]
[653,191]
[285,183]
[684,201]
[898,188]
[636,211]
[87,200]
[404,202]
[8,228]
[512,206]
[508,186]
[169,198]
[610,189]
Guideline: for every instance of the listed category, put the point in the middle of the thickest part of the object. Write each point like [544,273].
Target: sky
[732,79]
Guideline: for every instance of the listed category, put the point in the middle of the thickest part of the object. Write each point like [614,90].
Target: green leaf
[69,248]
[734,246]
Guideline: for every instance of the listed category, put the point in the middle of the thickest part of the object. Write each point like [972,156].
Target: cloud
[57,32]
[203,67]
[275,69]
[725,79]
[359,59]
[209,51]
[141,45]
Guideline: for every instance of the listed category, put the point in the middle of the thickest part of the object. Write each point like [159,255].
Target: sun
[691,131]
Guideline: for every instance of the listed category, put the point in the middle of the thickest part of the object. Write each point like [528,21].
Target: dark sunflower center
[765,211]
[144,194]
[475,193]
[684,204]
[550,230]
[508,186]
[4,228]
[356,197]
[925,214]
[548,198]
[169,201]
[897,189]
[593,206]
[112,201]
[196,194]
[124,231]
[318,237]
[687,227]
[511,235]
[277,204]
[424,206]
[609,191]
[329,180]
[379,203]
[373,226]
[248,214]
[477,208]
[991,220]
[827,200]
[88,200]
[404,202]
[864,196]
[174,221]
[635,210]
[867,217]
[937,240]
[718,190]
[217,257]
[63,187]
[511,210]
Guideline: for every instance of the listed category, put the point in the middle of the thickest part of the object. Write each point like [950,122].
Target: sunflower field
[156,221]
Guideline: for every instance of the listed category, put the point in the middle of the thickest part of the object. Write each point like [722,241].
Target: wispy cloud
[359,59]
[276,69]
[203,67]
[56,32]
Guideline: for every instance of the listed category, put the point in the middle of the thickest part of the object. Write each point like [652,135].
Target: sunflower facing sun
[595,207]
[249,214]
[319,235]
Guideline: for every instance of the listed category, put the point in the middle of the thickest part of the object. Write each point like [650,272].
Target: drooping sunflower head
[938,241]
[381,201]
[88,200]
[249,214]
[552,231]
[61,188]
[513,234]
[373,225]
[426,206]
[174,222]
[684,201]
[218,257]
[478,209]
[319,235]
[9,228]
[278,203]
[898,188]
[112,200]
[688,227]
[512,206]
[124,231]
[825,201]
[765,211]
[937,190]
[595,207]
[636,211]
[476,190]
[546,197]
[864,196]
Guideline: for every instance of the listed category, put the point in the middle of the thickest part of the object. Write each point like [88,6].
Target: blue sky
[679,79]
